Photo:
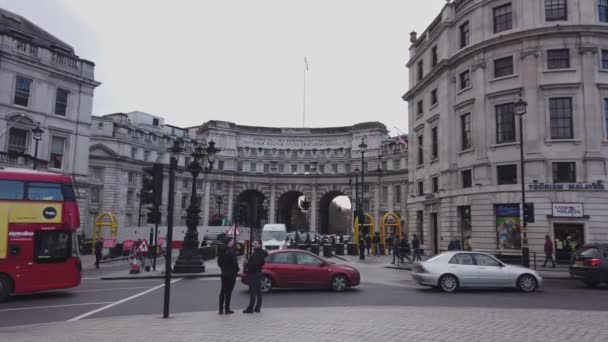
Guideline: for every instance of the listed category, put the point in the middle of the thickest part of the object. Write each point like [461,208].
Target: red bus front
[38,221]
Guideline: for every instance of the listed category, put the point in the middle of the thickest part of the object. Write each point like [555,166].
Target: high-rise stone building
[467,69]
[262,169]
[44,83]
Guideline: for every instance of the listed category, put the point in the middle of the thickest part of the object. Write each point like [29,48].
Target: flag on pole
[306,63]
[402,140]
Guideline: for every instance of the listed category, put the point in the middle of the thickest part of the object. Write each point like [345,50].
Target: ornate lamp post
[37,135]
[520,109]
[190,260]
[363,149]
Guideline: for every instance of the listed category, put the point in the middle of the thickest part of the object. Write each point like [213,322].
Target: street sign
[143,247]
[127,245]
[109,243]
[230,231]
[161,240]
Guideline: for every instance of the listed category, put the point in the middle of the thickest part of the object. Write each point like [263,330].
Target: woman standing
[229,265]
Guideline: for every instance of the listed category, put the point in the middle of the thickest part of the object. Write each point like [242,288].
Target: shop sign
[568,209]
[566,187]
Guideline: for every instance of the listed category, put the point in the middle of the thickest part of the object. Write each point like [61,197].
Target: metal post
[36,155]
[155,247]
[361,211]
[170,204]
[525,250]
[141,202]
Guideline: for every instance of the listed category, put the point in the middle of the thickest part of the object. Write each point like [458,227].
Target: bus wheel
[6,287]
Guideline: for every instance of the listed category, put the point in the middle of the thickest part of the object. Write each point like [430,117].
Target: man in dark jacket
[368,243]
[396,241]
[377,244]
[254,268]
[416,247]
[98,248]
[548,251]
[229,266]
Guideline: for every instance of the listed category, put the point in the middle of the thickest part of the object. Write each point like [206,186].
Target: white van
[274,236]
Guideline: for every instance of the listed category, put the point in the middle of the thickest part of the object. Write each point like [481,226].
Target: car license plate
[579,263]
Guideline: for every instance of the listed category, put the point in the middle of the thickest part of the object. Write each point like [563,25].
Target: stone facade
[44,83]
[467,68]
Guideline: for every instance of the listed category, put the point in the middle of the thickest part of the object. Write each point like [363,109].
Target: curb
[339,257]
[115,259]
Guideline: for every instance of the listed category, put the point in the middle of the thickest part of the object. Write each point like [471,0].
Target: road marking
[112,289]
[85,315]
[53,306]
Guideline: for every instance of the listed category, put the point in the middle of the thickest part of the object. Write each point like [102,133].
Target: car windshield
[273,235]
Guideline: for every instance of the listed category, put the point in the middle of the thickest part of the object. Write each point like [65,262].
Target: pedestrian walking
[229,266]
[98,248]
[405,249]
[377,244]
[416,247]
[549,251]
[368,243]
[395,246]
[254,268]
[389,243]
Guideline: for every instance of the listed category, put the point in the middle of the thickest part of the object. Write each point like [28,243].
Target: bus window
[44,192]
[52,246]
[11,190]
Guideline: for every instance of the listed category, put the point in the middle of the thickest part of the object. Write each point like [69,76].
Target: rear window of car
[589,252]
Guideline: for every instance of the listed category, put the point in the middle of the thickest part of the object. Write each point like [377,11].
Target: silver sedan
[453,270]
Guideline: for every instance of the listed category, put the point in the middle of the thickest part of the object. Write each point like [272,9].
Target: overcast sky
[243,61]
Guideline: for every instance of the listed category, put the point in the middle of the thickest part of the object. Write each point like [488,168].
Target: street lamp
[520,109]
[190,260]
[175,151]
[362,149]
[37,135]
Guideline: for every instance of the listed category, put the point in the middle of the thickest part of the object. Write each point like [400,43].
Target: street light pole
[175,150]
[519,110]
[37,135]
[362,147]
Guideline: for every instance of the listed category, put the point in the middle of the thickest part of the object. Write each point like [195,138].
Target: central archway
[290,214]
[250,206]
[330,214]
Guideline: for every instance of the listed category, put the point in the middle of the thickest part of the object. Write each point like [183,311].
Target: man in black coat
[254,268]
[98,248]
[229,266]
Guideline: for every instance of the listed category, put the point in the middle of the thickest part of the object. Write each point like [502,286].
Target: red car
[291,268]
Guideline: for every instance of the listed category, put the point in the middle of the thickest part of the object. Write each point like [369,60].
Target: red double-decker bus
[38,221]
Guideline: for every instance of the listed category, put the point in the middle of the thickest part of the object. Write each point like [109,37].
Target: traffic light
[529,212]
[152,192]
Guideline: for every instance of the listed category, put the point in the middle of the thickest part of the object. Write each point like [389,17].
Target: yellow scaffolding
[370,223]
[105,220]
[385,223]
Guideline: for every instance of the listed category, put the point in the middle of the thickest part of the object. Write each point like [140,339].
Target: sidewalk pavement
[332,324]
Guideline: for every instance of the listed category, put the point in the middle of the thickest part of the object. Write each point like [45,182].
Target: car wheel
[527,283]
[339,283]
[6,287]
[448,283]
[591,283]
[266,284]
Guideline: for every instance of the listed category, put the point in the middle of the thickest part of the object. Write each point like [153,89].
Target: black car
[590,264]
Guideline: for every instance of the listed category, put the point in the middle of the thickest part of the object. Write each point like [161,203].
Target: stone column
[272,209]
[313,209]
[230,200]
[206,200]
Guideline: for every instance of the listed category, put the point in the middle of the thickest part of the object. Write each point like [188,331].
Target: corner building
[467,69]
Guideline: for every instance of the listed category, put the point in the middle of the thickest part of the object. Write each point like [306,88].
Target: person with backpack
[229,266]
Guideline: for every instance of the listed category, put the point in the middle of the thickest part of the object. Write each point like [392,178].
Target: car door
[312,271]
[282,268]
[491,271]
[462,265]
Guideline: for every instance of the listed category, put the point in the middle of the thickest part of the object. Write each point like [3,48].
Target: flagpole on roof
[304,93]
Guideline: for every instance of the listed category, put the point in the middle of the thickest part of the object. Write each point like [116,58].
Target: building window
[384,194]
[281,168]
[266,168]
[397,195]
[23,87]
[322,168]
[503,18]
[603,10]
[420,188]
[61,102]
[467,178]
[334,168]
[503,67]
[505,124]
[253,167]
[365,188]
[464,35]
[366,206]
[465,222]
[155,122]
[220,165]
[606,117]
[396,164]
[560,110]
[605,58]
[294,168]
[434,56]
[420,70]
[556,10]
[307,168]
[131,177]
[185,201]
[435,143]
[419,225]
[465,79]
[185,183]
[130,197]
[558,59]
[96,173]
[420,107]
[564,172]
[239,166]
[146,155]
[94,195]
[133,152]
[434,98]
[435,181]
[465,132]
[384,165]
[506,174]
[57,151]
[420,149]
[17,140]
